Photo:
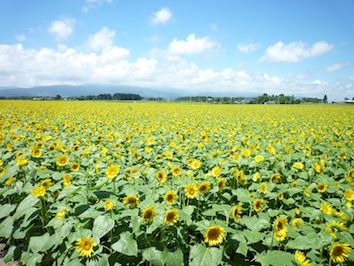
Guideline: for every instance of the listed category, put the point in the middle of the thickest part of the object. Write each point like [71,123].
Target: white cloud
[295,52]
[248,47]
[162,16]
[191,46]
[21,37]
[101,39]
[28,67]
[62,28]
[337,66]
[89,4]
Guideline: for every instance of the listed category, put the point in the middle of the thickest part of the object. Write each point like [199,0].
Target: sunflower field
[112,183]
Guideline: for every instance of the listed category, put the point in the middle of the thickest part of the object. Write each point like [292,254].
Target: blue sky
[301,48]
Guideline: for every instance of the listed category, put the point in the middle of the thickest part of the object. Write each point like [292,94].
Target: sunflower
[259,158]
[62,160]
[296,222]
[256,177]
[271,149]
[47,183]
[263,188]
[191,191]
[85,246]
[60,214]
[326,208]
[161,176]
[340,252]
[214,235]
[318,168]
[148,214]
[237,212]
[301,259]
[36,153]
[195,164]
[216,171]
[221,184]
[298,165]
[349,194]
[176,171]
[108,205]
[204,187]
[9,181]
[132,200]
[322,187]
[170,197]
[171,217]
[258,205]
[67,180]
[169,155]
[275,178]
[246,152]
[75,167]
[280,228]
[39,191]
[112,171]
[21,161]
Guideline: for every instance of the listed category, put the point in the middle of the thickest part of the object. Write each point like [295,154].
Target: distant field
[174,183]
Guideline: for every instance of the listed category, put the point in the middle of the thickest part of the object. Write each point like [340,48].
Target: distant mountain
[85,90]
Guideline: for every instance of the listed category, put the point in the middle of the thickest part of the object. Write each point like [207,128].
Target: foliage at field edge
[98,183]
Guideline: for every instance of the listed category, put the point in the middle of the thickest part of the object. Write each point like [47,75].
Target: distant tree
[58,97]
[325,99]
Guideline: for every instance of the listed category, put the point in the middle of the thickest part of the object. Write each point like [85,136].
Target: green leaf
[154,256]
[70,190]
[25,205]
[253,236]
[100,260]
[126,245]
[63,231]
[254,223]
[6,209]
[201,255]
[304,242]
[101,226]
[242,247]
[6,227]
[186,213]
[29,258]
[275,257]
[43,242]
[173,258]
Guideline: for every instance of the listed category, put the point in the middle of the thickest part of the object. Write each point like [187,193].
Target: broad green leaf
[29,258]
[25,205]
[6,209]
[186,213]
[173,258]
[126,245]
[201,255]
[100,260]
[101,226]
[154,256]
[275,257]
[6,227]
[68,191]
[255,224]
[43,242]
[242,247]
[253,236]
[63,231]
[304,242]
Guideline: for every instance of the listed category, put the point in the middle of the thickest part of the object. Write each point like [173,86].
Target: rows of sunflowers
[111,183]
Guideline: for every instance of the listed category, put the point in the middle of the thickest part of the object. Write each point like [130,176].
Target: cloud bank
[295,52]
